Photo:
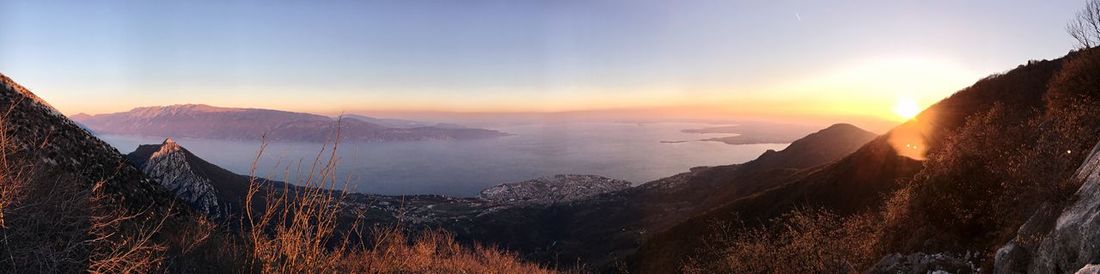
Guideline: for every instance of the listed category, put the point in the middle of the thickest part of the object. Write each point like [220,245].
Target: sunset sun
[906,108]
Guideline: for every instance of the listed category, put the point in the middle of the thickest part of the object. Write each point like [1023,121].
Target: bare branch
[1085,25]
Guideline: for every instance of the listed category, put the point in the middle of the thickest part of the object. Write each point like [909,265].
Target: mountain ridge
[861,181]
[88,157]
[211,122]
[621,220]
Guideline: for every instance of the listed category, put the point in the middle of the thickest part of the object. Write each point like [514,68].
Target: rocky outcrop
[1090,269]
[169,166]
[1074,242]
[1015,256]
[919,263]
[1057,240]
[548,190]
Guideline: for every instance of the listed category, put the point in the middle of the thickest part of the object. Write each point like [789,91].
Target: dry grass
[295,231]
[53,222]
[432,252]
[120,241]
[802,241]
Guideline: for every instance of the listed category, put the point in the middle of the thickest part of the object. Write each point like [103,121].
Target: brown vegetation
[1003,147]
[801,241]
[296,231]
[431,252]
[993,172]
[51,224]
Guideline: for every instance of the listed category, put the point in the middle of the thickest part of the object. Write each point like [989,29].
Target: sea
[636,152]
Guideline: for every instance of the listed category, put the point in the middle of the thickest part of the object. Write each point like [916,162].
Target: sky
[703,58]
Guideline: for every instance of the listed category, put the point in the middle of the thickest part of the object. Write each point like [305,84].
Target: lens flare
[906,108]
[911,138]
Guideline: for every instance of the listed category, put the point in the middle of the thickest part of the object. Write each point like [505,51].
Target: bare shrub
[432,251]
[52,221]
[801,241]
[121,241]
[1085,26]
[14,173]
[294,230]
[55,222]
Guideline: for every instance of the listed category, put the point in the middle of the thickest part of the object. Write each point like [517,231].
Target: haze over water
[629,151]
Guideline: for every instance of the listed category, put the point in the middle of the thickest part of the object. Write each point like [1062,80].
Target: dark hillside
[230,188]
[44,137]
[72,203]
[69,203]
[864,180]
[602,230]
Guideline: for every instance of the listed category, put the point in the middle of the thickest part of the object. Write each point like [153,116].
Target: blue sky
[333,56]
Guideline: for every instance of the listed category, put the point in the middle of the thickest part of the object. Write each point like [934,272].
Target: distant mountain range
[204,121]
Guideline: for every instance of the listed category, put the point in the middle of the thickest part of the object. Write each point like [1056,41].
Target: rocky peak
[170,166]
[166,147]
[826,145]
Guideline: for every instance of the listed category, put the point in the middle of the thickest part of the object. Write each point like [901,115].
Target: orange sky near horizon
[865,90]
[721,60]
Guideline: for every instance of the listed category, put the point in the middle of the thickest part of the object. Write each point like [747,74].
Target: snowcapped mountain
[204,121]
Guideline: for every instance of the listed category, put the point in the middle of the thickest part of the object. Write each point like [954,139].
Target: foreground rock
[548,190]
[918,263]
[1072,244]
[1056,239]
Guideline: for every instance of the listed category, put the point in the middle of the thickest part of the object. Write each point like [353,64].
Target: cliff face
[170,167]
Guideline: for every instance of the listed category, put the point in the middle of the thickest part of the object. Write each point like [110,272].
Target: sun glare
[906,108]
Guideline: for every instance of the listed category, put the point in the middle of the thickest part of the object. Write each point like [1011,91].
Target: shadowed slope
[58,145]
[603,229]
[860,181]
